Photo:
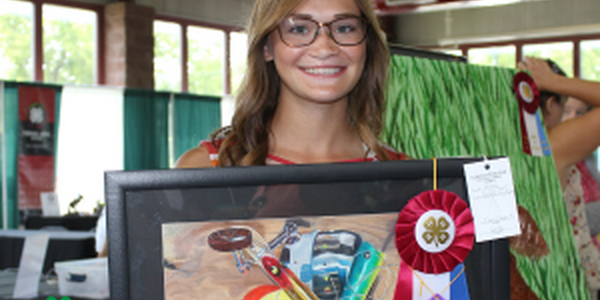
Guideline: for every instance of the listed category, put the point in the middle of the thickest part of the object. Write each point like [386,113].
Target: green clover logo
[436,230]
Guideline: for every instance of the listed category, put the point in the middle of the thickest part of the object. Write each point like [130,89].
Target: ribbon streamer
[415,285]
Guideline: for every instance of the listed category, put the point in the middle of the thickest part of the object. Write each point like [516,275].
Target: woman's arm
[546,79]
[575,139]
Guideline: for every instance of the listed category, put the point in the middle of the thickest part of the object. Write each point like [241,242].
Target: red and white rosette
[435,232]
[532,132]
[527,92]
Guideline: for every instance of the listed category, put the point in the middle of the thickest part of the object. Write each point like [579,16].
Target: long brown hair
[246,141]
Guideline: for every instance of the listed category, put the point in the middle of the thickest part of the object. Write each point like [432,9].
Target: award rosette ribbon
[434,235]
[533,136]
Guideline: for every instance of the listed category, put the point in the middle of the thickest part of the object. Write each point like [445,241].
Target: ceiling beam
[382,7]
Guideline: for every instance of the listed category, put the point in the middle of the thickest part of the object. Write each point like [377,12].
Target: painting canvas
[208,259]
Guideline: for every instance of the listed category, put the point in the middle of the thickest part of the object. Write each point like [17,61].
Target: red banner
[35,160]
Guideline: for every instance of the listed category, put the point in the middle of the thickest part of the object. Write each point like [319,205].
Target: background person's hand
[540,71]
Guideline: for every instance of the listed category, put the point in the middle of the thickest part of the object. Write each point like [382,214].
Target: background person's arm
[575,139]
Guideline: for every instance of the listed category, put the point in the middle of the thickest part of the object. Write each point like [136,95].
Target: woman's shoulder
[392,153]
[206,154]
[197,157]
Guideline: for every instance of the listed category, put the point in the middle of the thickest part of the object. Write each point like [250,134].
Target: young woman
[571,141]
[313,90]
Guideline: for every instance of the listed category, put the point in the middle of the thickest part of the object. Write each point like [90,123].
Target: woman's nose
[324,45]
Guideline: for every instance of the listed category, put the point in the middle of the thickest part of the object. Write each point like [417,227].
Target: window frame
[38,40]
[100,60]
[519,43]
[185,24]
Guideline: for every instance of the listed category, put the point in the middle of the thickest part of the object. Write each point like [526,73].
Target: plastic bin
[86,278]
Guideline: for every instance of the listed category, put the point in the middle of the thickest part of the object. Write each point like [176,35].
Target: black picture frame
[139,202]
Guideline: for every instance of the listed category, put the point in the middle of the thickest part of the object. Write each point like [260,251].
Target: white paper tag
[50,206]
[30,267]
[492,199]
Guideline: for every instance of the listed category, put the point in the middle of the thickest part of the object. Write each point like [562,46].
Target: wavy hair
[246,141]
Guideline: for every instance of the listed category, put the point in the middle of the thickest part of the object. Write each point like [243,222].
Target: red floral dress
[588,253]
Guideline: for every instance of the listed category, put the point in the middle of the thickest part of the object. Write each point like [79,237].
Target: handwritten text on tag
[492,199]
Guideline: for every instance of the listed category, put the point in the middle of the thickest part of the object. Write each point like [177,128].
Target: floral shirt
[588,253]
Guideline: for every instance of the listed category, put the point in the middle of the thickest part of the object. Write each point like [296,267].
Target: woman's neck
[314,132]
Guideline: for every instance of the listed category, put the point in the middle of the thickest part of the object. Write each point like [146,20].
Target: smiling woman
[313,90]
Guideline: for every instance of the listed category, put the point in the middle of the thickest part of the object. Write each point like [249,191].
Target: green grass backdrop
[439,109]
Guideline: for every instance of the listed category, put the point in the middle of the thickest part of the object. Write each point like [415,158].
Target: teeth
[323,71]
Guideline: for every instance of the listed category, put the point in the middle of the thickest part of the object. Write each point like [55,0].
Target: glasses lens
[298,32]
[348,31]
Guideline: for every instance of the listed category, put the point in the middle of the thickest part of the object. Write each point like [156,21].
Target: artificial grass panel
[440,109]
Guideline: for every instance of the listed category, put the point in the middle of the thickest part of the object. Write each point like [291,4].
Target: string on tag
[434,173]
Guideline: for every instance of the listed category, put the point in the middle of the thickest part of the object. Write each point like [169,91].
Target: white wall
[226,12]
[537,18]
[223,12]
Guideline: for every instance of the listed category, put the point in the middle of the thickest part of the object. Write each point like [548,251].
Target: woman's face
[322,71]
[574,108]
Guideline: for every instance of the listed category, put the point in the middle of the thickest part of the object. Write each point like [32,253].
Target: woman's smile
[324,71]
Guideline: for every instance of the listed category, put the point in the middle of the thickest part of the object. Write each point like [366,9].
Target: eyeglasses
[300,32]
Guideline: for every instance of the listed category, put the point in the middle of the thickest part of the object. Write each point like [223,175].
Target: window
[590,60]
[205,64]
[69,45]
[167,56]
[504,56]
[561,53]
[16,40]
[239,47]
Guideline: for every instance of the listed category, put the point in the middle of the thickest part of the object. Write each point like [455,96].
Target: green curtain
[438,108]
[11,134]
[146,133]
[194,118]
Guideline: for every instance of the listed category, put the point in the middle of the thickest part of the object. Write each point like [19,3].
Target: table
[63,245]
[46,289]
[81,223]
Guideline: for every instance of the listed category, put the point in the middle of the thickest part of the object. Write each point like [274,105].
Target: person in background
[100,235]
[313,90]
[571,141]
[589,172]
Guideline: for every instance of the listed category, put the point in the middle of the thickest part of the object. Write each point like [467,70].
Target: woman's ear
[268,50]
[550,104]
[554,103]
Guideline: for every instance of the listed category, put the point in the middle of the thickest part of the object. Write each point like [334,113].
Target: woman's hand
[541,72]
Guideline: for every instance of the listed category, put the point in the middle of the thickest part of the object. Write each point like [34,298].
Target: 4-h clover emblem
[36,114]
[435,231]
